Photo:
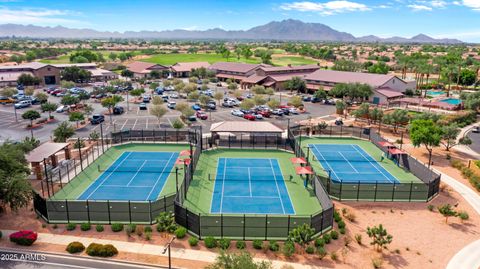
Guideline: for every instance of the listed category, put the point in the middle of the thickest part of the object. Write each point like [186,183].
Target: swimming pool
[435,93]
[452,101]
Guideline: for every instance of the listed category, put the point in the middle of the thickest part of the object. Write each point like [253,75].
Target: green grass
[402,175]
[170,59]
[84,179]
[200,193]
[293,60]
[65,59]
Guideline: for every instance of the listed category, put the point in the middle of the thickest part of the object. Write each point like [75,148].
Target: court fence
[247,141]
[54,210]
[372,191]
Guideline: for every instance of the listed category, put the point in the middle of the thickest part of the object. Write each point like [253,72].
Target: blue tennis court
[350,164]
[250,186]
[135,176]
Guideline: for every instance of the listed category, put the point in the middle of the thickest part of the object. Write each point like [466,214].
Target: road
[20,259]
[475,137]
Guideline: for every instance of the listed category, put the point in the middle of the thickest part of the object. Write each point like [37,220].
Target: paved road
[475,137]
[19,259]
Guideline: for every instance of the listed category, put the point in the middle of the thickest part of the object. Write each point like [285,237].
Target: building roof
[31,65]
[389,93]
[227,76]
[374,80]
[12,76]
[245,127]
[290,68]
[45,150]
[287,76]
[234,67]
[142,67]
[254,79]
[76,64]
[186,67]
[98,72]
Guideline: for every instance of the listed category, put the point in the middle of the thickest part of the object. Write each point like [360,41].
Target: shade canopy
[395,151]
[386,144]
[298,160]
[183,161]
[185,152]
[45,151]
[304,170]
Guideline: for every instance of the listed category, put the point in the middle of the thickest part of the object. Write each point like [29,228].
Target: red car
[201,115]
[57,91]
[264,113]
[249,117]
[283,106]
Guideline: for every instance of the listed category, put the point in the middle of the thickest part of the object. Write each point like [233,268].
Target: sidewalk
[150,249]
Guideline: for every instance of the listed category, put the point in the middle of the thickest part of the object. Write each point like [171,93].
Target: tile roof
[375,80]
[254,79]
[142,67]
[289,68]
[389,93]
[186,67]
[234,67]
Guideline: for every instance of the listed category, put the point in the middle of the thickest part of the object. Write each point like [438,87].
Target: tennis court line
[276,184]
[158,178]
[223,183]
[138,170]
[101,183]
[249,182]
[372,163]
[328,164]
[286,188]
[123,186]
[343,156]
[243,196]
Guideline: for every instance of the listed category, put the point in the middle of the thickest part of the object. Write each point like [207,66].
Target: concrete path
[140,248]
[469,256]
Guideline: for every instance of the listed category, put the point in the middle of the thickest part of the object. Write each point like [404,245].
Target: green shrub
[193,241]
[430,207]
[321,252]
[341,224]
[117,227]
[327,238]
[147,229]
[44,225]
[100,250]
[85,226]
[310,249]
[334,235]
[130,229]
[319,242]
[334,256]
[75,247]
[288,249]
[241,245]
[342,230]
[166,222]
[463,215]
[180,232]
[54,226]
[139,230]
[224,243]
[148,236]
[273,246]
[257,244]
[210,242]
[336,216]
[99,228]
[71,226]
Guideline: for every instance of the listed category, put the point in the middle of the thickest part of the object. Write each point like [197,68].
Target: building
[49,74]
[181,70]
[275,77]
[143,69]
[235,71]
[386,87]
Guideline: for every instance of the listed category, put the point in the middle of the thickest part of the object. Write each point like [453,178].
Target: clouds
[325,8]
[39,16]
[473,4]
[417,7]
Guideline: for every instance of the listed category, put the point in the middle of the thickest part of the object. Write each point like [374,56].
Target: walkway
[150,249]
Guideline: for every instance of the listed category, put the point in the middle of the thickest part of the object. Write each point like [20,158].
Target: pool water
[452,101]
[435,93]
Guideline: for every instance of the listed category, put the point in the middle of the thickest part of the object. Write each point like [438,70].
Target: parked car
[23,104]
[237,113]
[159,90]
[62,109]
[329,102]
[56,92]
[201,115]
[264,113]
[171,104]
[258,116]
[174,95]
[250,95]
[97,119]
[196,107]
[117,110]
[228,104]
[211,105]
[142,106]
[6,100]
[307,99]
[476,129]
[286,111]
[192,118]
[293,111]
[315,100]
[277,112]
[249,117]
[165,97]
[146,98]
[219,84]
[18,96]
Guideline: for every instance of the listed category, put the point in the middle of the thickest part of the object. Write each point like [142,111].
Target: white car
[174,95]
[293,110]
[237,113]
[258,117]
[62,109]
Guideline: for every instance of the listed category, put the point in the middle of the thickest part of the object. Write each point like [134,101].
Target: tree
[155,74]
[232,86]
[28,80]
[75,74]
[76,116]
[247,52]
[137,92]
[88,109]
[31,115]
[258,89]
[67,84]
[112,56]
[111,102]
[8,92]
[83,56]
[158,111]
[426,133]
[296,84]
[380,237]
[352,90]
[177,124]
[41,97]
[273,103]
[218,96]
[363,112]
[379,68]
[376,115]
[242,260]
[447,211]
[49,107]
[69,100]
[340,106]
[204,99]
[320,94]
[63,132]
[127,73]
[296,101]
[301,235]
[450,133]
[396,118]
[247,104]
[157,100]
[259,100]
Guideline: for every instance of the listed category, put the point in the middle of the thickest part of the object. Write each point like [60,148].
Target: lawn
[170,59]
[65,59]
[81,182]
[200,193]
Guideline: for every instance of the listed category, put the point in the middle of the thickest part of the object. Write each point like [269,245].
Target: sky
[438,18]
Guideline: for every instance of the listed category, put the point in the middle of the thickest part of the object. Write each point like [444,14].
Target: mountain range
[286,30]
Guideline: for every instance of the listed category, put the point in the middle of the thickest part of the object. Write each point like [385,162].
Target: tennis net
[247,178]
[134,169]
[342,157]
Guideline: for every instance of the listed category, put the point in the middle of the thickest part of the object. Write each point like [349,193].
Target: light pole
[167,247]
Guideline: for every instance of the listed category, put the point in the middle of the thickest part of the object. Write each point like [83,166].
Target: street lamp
[167,247]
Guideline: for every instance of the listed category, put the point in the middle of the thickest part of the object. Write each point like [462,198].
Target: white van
[171,104]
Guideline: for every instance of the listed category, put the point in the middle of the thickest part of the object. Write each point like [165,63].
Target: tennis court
[349,163]
[250,186]
[136,176]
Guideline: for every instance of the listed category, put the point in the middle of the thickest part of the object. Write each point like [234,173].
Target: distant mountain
[289,30]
